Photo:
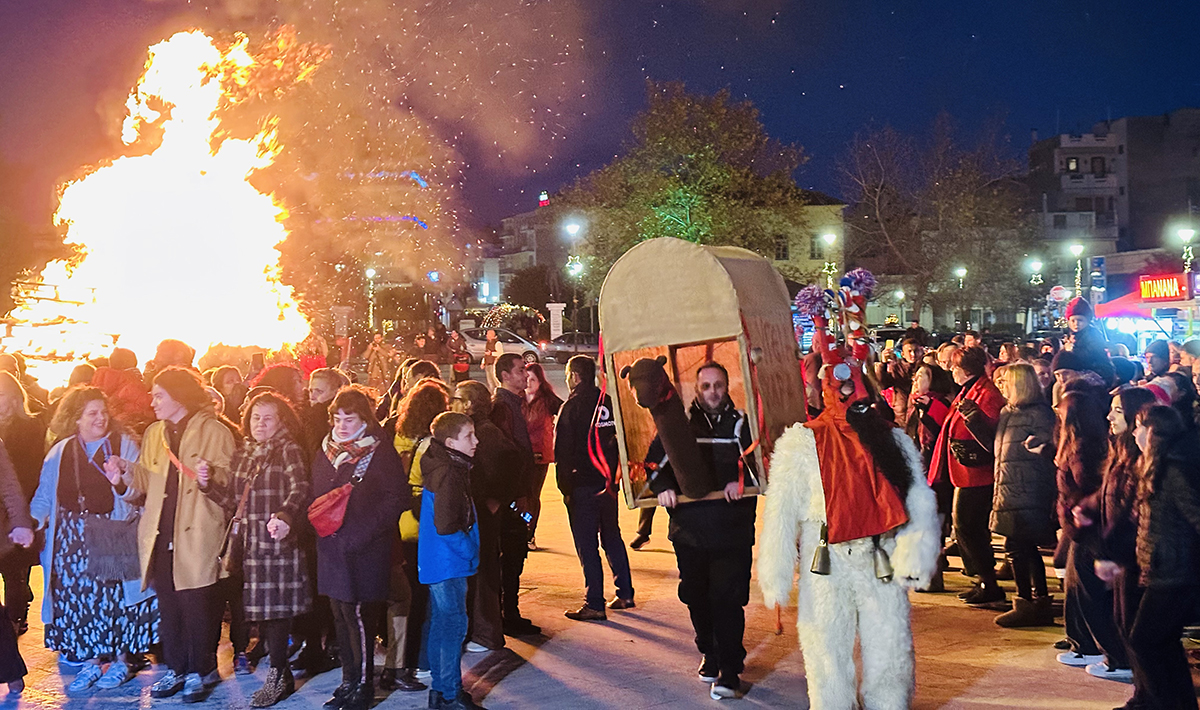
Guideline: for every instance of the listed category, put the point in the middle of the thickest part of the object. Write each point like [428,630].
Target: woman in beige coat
[182,531]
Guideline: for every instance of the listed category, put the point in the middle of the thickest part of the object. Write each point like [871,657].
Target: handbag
[328,512]
[112,545]
[233,551]
[971,453]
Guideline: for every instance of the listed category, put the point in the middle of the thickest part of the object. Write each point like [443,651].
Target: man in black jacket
[493,488]
[714,539]
[514,525]
[590,496]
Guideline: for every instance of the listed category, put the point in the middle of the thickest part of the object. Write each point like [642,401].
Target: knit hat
[1163,388]
[1159,348]
[1079,306]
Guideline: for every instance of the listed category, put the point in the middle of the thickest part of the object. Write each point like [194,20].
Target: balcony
[1089,181]
[1088,140]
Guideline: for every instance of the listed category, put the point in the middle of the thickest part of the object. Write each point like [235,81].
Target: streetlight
[575,269]
[961,273]
[1077,252]
[830,267]
[1035,266]
[370,272]
[1187,234]
[899,296]
[572,228]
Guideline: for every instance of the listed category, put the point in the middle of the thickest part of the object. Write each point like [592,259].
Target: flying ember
[173,242]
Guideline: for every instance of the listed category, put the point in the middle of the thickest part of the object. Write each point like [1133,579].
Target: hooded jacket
[448,546]
[574,468]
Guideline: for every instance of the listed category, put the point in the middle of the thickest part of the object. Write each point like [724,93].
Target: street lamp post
[1077,252]
[371,297]
[575,269]
[1035,267]
[900,303]
[1187,234]
[961,273]
[830,267]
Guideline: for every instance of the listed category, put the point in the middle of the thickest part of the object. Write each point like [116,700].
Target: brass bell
[820,563]
[883,565]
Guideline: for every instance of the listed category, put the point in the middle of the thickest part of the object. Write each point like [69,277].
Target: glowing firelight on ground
[175,243]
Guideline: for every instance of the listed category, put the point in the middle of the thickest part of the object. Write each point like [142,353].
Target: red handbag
[328,512]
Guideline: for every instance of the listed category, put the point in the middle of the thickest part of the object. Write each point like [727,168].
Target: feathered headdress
[844,347]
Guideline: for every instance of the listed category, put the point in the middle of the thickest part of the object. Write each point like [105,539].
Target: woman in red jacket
[963,453]
[541,406]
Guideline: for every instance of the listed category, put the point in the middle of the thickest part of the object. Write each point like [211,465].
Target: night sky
[819,70]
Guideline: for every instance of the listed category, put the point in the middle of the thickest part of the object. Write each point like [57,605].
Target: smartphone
[889,344]
[257,363]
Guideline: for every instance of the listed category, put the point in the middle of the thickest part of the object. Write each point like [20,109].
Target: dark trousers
[1029,571]
[189,620]
[594,524]
[316,627]
[356,641]
[418,610]
[483,590]
[646,521]
[972,508]
[514,548]
[1161,677]
[12,666]
[1088,610]
[275,633]
[229,593]
[538,479]
[17,592]
[715,586]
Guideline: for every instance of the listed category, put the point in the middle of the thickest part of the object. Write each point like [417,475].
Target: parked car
[513,343]
[567,345]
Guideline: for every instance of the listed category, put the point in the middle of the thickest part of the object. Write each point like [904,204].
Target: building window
[816,249]
[1060,221]
[1072,165]
[1083,204]
[1121,150]
[781,248]
[1098,165]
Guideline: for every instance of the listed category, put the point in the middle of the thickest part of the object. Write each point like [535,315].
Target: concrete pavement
[645,658]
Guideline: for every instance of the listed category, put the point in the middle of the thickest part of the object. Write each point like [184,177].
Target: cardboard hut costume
[849,493]
[668,306]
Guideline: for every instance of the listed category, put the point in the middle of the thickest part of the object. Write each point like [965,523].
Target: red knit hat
[1079,306]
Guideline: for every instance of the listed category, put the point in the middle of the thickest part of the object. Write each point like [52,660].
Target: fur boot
[279,685]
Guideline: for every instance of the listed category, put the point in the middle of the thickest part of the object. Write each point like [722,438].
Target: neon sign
[1168,287]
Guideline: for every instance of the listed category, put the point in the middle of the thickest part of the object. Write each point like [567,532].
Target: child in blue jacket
[448,552]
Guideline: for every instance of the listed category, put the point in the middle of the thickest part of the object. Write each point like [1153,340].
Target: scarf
[350,451]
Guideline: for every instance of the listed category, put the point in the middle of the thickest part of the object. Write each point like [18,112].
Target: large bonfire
[173,242]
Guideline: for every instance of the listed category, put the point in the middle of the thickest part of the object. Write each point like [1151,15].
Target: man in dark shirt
[514,528]
[714,539]
[590,496]
[897,373]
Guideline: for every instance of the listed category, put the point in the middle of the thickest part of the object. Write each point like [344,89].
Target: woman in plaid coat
[276,589]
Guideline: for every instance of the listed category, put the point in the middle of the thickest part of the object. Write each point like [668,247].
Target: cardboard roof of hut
[666,293]
[670,291]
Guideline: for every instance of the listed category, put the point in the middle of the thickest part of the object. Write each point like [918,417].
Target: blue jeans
[447,632]
[594,524]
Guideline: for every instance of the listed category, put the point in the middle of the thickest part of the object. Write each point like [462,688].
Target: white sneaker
[473,647]
[720,692]
[424,675]
[1101,670]
[85,678]
[1078,660]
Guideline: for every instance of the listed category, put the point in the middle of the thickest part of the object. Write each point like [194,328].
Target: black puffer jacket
[1168,542]
[1023,504]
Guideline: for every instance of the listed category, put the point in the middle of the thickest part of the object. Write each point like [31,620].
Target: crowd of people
[316,514]
[322,516]
[1072,447]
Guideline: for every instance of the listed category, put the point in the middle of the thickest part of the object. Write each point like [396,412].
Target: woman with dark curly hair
[92,613]
[267,496]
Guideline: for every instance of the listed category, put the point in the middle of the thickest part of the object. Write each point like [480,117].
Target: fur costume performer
[851,483]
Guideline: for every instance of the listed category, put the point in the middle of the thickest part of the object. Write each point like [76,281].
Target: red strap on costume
[594,447]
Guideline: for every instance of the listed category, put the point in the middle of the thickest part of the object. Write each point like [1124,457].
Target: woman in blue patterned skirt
[94,608]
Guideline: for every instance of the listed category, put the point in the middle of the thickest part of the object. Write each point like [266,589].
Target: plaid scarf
[340,452]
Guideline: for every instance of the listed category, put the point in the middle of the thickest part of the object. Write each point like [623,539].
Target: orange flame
[174,243]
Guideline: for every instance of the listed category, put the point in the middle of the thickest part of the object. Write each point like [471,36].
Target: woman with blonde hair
[24,436]
[1023,503]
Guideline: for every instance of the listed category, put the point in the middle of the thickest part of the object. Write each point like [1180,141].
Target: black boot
[340,695]
[362,698]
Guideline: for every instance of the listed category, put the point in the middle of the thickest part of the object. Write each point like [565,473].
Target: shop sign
[1165,287]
